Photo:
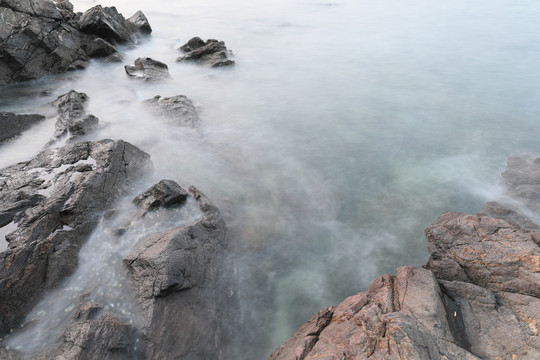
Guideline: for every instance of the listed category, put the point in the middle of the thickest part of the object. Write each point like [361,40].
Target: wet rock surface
[212,53]
[72,117]
[56,200]
[148,69]
[12,125]
[43,37]
[178,110]
[476,298]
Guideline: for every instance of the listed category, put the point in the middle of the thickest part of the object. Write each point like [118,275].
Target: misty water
[345,129]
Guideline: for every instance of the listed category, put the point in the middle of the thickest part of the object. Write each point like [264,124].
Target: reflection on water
[344,130]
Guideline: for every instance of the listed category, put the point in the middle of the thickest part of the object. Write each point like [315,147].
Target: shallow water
[345,129]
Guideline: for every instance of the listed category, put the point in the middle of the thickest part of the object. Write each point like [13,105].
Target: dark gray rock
[56,200]
[43,37]
[164,194]
[107,23]
[72,116]
[12,124]
[212,53]
[181,295]
[179,110]
[139,23]
[148,69]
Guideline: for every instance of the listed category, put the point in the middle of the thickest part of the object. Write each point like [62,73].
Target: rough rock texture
[211,53]
[179,110]
[72,117]
[175,275]
[38,37]
[139,22]
[107,23]
[12,124]
[477,297]
[56,200]
[148,69]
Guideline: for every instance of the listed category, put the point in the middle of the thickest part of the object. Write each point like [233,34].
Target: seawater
[345,129]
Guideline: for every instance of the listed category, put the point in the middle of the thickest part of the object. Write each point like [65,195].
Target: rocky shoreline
[477,297]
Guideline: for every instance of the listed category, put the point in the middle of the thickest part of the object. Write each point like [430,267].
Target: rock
[72,116]
[12,124]
[477,297]
[106,23]
[176,278]
[43,37]
[164,194]
[178,109]
[213,53]
[56,200]
[32,46]
[139,23]
[148,69]
[98,48]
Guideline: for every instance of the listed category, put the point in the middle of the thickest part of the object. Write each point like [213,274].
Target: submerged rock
[43,37]
[211,53]
[179,110]
[56,200]
[12,124]
[148,69]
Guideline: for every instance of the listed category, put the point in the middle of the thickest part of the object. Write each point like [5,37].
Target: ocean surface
[344,130]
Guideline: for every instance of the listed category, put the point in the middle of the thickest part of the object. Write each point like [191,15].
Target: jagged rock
[56,200]
[98,48]
[139,23]
[148,69]
[213,53]
[42,37]
[164,194]
[12,124]
[178,109]
[477,297]
[106,23]
[175,276]
[72,115]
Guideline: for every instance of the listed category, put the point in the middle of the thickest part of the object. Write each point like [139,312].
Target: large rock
[107,23]
[56,200]
[39,37]
[12,124]
[211,53]
[148,69]
[179,110]
[477,297]
[72,116]
[138,22]
[176,276]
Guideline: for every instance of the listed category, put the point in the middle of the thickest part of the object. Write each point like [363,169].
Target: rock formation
[211,53]
[42,37]
[148,69]
[72,117]
[56,200]
[477,297]
[12,124]
[179,110]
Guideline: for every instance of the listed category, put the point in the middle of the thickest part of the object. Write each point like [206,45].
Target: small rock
[211,53]
[139,23]
[148,69]
[179,109]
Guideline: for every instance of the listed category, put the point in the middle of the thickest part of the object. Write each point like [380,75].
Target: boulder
[56,200]
[179,110]
[181,295]
[12,124]
[148,69]
[72,117]
[107,23]
[211,53]
[139,23]
[96,47]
